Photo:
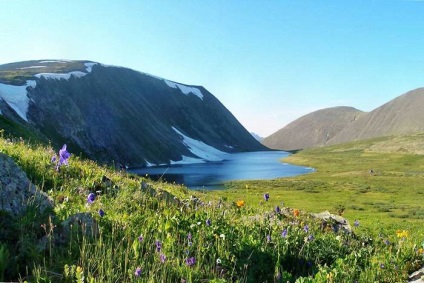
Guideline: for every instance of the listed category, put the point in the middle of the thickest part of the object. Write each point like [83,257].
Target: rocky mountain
[313,129]
[111,113]
[256,136]
[402,115]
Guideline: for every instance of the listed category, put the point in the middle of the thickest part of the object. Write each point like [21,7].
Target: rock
[333,221]
[16,191]
[84,222]
[417,276]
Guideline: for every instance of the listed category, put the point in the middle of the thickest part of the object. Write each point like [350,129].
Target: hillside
[115,114]
[314,129]
[400,116]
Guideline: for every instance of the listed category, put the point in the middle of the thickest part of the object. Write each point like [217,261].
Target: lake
[237,166]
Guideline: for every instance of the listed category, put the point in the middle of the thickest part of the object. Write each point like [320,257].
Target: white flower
[199,223]
[218,261]
[222,236]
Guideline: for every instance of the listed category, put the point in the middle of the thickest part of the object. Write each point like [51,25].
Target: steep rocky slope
[111,113]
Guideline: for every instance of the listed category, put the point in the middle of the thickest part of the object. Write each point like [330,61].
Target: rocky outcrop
[16,191]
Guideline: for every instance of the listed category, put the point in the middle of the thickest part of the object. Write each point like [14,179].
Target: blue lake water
[237,166]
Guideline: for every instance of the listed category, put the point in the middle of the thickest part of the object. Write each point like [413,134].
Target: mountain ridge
[116,114]
[399,116]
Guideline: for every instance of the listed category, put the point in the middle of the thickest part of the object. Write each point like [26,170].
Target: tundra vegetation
[132,229]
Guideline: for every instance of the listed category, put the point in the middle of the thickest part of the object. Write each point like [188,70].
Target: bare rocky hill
[314,129]
[400,116]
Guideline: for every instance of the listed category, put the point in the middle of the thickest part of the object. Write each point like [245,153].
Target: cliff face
[118,114]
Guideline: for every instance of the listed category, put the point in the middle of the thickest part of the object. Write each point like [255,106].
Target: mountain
[400,116]
[313,129]
[257,137]
[115,114]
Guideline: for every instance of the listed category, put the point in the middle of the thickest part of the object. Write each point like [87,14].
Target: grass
[171,234]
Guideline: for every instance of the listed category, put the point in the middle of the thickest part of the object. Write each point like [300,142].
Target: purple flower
[277,209]
[268,238]
[310,238]
[190,261]
[284,233]
[356,223]
[266,197]
[162,258]
[158,246]
[189,236]
[208,222]
[101,213]
[54,158]
[306,228]
[63,155]
[91,198]
[140,238]
[137,272]
[387,242]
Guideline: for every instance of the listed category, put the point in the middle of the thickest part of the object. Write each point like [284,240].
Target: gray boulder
[16,191]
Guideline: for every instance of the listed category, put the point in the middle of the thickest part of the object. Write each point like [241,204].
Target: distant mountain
[402,115]
[257,137]
[115,114]
[314,129]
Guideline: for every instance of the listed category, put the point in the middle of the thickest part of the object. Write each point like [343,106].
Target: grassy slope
[389,199]
[235,246]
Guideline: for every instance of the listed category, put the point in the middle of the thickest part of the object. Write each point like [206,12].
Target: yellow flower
[240,203]
[420,251]
[79,269]
[402,234]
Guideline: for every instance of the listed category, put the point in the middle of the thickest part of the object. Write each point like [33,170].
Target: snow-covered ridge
[67,76]
[185,89]
[16,97]
[200,149]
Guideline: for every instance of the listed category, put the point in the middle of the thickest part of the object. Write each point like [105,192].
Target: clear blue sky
[268,62]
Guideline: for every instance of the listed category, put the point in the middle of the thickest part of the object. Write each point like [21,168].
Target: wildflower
[189,236]
[420,251]
[382,266]
[266,197]
[208,222]
[240,203]
[190,261]
[79,269]
[306,228]
[222,236]
[402,234]
[268,238]
[101,213]
[296,212]
[162,258]
[356,223]
[218,261]
[277,209]
[310,238]
[284,233]
[137,272]
[91,197]
[54,158]
[387,242]
[63,155]
[158,245]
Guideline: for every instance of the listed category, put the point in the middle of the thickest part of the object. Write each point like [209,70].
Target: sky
[269,62]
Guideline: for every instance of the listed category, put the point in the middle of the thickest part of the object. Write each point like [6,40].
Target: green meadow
[132,229]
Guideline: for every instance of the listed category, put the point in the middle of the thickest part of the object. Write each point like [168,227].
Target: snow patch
[89,66]
[200,149]
[32,67]
[187,160]
[185,89]
[59,76]
[17,97]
